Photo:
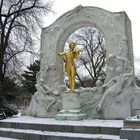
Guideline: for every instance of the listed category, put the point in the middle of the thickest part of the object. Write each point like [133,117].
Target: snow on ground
[94,122]
[62,134]
[2,138]
[51,121]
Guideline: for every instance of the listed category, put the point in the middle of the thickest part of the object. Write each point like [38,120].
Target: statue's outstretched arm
[61,53]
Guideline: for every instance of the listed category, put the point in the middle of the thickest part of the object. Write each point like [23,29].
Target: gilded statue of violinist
[69,64]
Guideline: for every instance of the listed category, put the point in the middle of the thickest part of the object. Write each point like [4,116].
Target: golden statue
[69,64]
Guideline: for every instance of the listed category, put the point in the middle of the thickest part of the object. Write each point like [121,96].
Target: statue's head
[72,46]
[99,83]
[119,69]
[41,81]
[37,86]
[111,56]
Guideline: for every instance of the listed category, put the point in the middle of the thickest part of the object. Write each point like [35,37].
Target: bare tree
[92,59]
[18,30]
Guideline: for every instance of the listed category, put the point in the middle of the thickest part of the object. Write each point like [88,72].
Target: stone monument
[118,97]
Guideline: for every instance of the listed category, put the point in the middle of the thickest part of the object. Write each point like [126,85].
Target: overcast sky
[131,7]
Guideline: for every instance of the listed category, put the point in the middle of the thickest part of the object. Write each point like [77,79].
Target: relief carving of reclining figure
[124,78]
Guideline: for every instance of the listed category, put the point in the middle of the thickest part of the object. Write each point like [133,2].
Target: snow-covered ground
[94,122]
[51,121]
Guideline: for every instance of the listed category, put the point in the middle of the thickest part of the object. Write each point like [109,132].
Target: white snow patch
[134,118]
[2,138]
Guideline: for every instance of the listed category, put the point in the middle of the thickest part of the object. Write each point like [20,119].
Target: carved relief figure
[116,85]
[46,100]
[111,63]
[69,64]
[49,72]
[42,96]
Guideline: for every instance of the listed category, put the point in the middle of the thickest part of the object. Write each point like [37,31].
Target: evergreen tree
[9,91]
[30,76]
[9,86]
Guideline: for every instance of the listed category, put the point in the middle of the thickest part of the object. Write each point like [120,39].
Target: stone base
[130,134]
[71,108]
[72,115]
[131,130]
[133,124]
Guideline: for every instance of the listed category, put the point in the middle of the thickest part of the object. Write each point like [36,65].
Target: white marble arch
[116,28]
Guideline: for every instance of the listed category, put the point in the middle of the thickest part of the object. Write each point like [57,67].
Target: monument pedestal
[133,124]
[131,128]
[71,108]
